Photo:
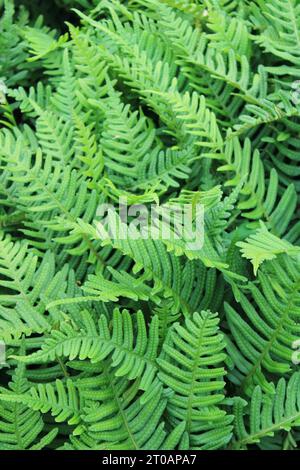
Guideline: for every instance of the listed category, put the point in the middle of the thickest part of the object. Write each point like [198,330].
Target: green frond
[122,285]
[61,399]
[196,119]
[228,33]
[149,170]
[21,427]
[52,200]
[132,356]
[268,413]
[164,168]
[13,66]
[186,6]
[126,139]
[26,287]
[258,197]
[283,153]
[87,150]
[264,325]
[160,261]
[263,245]
[278,23]
[116,418]
[191,366]
[65,101]
[41,42]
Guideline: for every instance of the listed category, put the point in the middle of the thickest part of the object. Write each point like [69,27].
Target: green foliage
[189,365]
[281,412]
[147,343]
[21,427]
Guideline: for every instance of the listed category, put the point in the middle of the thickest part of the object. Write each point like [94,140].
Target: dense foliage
[146,345]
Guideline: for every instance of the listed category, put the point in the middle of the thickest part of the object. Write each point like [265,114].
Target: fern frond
[21,428]
[130,358]
[149,162]
[279,21]
[266,326]
[191,366]
[52,200]
[27,286]
[61,399]
[268,414]
[117,418]
[258,197]
[41,42]
[263,245]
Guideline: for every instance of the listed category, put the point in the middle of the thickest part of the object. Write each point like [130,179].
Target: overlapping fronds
[149,224]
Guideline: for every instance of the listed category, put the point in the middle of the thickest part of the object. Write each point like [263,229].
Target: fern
[258,197]
[21,428]
[132,361]
[264,341]
[142,340]
[28,287]
[278,411]
[188,354]
[122,421]
[274,18]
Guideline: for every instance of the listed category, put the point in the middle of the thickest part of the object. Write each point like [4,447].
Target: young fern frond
[263,245]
